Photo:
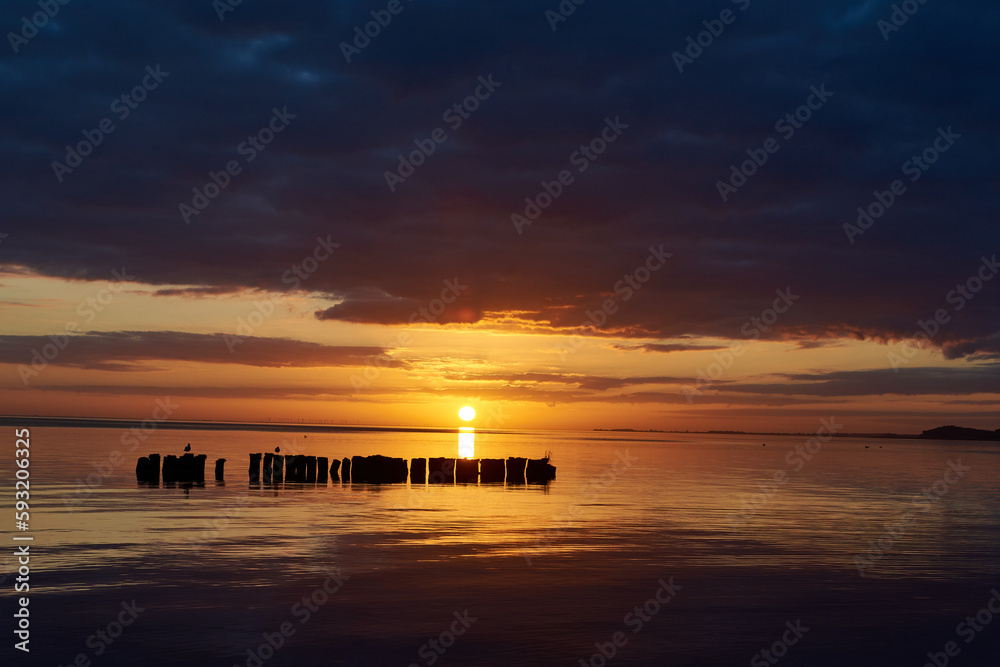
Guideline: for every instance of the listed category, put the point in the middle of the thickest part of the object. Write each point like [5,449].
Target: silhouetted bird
[277,449]
[188,448]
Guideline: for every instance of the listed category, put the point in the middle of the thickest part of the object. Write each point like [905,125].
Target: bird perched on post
[188,448]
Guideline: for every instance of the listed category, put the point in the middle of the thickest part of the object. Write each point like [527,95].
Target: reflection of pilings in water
[321,463]
[255,468]
[467,471]
[335,470]
[220,470]
[418,471]
[515,470]
[491,471]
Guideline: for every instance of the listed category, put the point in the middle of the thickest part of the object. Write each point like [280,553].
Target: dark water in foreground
[498,575]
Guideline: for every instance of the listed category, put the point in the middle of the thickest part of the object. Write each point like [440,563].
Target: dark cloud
[128,350]
[669,347]
[324,173]
[878,382]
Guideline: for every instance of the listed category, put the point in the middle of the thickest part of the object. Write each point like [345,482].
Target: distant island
[960,433]
[939,433]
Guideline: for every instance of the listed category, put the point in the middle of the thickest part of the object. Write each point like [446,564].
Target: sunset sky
[586,177]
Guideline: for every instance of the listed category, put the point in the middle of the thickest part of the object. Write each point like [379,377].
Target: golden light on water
[467,413]
[467,442]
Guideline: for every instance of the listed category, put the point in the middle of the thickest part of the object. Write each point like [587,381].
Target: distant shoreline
[939,433]
[85,422]
[900,436]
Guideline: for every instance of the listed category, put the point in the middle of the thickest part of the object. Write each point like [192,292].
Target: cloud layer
[324,174]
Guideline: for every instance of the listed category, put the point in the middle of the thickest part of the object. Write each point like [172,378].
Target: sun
[467,414]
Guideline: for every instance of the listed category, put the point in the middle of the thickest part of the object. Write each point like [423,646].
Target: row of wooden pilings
[275,468]
[386,470]
[186,468]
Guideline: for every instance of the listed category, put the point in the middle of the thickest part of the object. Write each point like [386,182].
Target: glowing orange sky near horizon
[514,379]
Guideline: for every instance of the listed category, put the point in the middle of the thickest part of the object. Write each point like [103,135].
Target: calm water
[546,572]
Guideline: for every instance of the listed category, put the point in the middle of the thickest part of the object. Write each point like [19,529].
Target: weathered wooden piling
[277,469]
[310,470]
[197,467]
[220,470]
[467,471]
[515,470]
[359,469]
[335,470]
[378,469]
[147,469]
[440,471]
[254,468]
[418,471]
[346,475]
[268,467]
[299,461]
[491,471]
[154,469]
[321,463]
[170,469]
[142,469]
[540,471]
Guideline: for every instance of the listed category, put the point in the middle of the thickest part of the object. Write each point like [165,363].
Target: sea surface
[513,575]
